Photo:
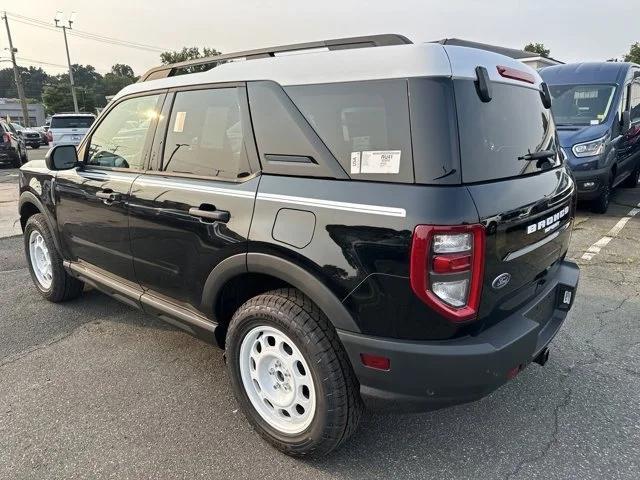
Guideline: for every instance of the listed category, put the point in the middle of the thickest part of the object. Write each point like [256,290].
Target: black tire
[601,204]
[338,405]
[63,286]
[632,180]
[35,147]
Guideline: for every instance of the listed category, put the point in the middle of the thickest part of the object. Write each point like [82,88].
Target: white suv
[69,128]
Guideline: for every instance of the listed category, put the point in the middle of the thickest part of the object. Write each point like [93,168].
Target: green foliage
[33,80]
[188,53]
[634,54]
[538,48]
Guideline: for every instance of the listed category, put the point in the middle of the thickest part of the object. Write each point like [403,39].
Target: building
[534,60]
[11,107]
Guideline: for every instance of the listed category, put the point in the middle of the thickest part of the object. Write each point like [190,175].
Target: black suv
[370,222]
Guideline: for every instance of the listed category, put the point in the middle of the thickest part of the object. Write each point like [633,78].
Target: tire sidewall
[35,224]
[270,317]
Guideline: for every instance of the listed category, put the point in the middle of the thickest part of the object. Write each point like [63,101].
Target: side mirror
[19,132]
[545,94]
[636,74]
[61,157]
[625,122]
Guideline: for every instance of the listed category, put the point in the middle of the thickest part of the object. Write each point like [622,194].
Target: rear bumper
[431,375]
[599,178]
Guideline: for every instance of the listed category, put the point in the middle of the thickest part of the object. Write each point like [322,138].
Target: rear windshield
[581,104]
[495,136]
[72,122]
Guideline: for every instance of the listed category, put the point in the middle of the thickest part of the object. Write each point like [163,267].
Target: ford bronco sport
[368,223]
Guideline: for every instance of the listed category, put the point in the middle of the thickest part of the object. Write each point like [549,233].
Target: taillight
[6,138]
[515,74]
[49,136]
[446,270]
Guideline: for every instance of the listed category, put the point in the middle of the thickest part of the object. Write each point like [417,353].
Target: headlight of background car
[589,149]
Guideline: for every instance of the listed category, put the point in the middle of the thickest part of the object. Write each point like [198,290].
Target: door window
[119,141]
[205,135]
[634,102]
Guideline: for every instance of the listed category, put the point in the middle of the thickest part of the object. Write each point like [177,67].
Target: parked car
[44,138]
[392,234]
[30,136]
[596,107]
[69,128]
[12,148]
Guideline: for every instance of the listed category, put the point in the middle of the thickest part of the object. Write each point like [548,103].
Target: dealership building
[11,107]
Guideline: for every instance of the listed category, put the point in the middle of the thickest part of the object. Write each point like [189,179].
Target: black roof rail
[164,71]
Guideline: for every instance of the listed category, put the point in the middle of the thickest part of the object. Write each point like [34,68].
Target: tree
[119,77]
[634,53]
[188,53]
[538,48]
[33,80]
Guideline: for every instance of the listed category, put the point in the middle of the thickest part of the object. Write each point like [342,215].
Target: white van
[69,128]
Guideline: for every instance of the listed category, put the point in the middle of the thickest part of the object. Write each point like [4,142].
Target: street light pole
[66,46]
[16,74]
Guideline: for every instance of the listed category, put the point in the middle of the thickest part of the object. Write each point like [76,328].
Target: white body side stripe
[331,204]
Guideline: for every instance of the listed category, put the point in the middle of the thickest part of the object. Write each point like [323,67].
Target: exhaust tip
[542,357]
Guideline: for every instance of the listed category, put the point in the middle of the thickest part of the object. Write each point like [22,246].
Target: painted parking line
[594,249]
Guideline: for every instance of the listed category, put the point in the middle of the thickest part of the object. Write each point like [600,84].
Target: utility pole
[66,46]
[16,74]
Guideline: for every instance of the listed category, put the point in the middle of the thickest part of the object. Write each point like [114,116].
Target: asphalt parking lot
[95,389]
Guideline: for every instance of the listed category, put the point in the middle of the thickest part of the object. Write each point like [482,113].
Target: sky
[574,30]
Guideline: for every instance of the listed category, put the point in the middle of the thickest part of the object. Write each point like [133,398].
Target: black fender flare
[308,284]
[285,270]
[28,197]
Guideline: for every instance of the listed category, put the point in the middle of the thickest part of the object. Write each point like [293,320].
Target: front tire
[45,263]
[291,375]
[601,204]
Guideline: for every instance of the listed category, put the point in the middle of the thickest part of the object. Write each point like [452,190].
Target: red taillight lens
[376,362]
[6,138]
[446,270]
[515,74]
[49,136]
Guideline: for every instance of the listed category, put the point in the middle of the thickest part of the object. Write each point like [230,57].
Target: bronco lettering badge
[549,223]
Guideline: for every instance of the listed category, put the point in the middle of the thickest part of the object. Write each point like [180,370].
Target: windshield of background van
[581,104]
[494,135]
[72,122]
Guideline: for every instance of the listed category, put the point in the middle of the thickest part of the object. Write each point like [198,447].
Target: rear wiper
[542,154]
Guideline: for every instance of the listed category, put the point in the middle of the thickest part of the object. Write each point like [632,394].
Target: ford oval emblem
[501,281]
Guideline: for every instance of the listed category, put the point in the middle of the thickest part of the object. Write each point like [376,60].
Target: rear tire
[326,405]
[632,180]
[601,204]
[45,263]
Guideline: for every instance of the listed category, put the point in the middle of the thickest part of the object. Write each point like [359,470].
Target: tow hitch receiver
[542,357]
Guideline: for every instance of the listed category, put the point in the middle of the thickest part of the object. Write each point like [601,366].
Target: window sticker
[383,161]
[355,162]
[178,125]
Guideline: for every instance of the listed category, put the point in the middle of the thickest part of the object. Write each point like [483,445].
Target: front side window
[205,135]
[120,139]
[581,104]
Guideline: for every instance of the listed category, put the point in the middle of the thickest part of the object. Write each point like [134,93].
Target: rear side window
[205,135]
[634,102]
[364,124]
[83,121]
[495,134]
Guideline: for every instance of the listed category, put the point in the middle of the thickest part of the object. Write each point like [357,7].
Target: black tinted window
[72,122]
[634,102]
[205,134]
[494,134]
[364,124]
[120,138]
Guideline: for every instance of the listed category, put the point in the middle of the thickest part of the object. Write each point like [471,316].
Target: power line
[34,22]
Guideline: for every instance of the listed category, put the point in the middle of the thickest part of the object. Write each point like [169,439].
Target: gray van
[596,107]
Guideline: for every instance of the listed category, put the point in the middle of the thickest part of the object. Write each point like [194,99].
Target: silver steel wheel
[277,380]
[40,259]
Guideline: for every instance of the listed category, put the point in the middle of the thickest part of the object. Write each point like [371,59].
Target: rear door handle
[210,214]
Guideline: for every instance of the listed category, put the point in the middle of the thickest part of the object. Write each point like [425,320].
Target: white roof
[397,61]
[73,115]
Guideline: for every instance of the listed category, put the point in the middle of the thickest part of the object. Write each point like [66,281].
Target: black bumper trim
[431,375]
